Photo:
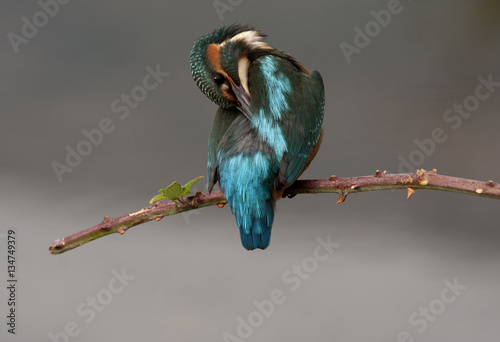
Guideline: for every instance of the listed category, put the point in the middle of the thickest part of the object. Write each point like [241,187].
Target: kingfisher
[268,126]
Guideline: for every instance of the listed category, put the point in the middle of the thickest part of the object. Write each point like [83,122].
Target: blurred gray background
[192,279]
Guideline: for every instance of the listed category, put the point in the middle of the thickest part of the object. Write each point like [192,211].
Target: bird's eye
[218,78]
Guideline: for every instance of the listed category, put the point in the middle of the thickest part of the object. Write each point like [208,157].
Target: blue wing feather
[287,112]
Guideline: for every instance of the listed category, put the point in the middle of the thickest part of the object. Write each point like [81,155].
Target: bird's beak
[242,96]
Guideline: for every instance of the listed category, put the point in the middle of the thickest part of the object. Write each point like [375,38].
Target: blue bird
[268,125]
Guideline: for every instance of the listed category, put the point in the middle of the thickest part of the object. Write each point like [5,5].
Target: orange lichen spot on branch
[422,180]
[138,212]
[221,204]
[479,191]
[407,180]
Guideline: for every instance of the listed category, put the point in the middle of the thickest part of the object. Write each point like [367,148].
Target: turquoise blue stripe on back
[277,86]
[267,120]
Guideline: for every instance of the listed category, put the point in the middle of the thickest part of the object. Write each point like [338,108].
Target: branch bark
[421,179]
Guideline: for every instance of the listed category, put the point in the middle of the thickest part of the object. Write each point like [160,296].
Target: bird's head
[220,63]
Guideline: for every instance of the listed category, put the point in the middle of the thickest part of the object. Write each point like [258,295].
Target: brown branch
[421,179]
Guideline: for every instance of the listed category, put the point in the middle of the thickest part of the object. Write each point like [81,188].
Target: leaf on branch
[186,189]
[174,191]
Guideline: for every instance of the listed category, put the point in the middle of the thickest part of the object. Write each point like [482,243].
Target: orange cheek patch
[213,56]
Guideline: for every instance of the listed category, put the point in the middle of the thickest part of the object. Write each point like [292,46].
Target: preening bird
[268,125]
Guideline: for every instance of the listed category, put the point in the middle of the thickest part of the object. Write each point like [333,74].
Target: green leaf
[186,189]
[174,191]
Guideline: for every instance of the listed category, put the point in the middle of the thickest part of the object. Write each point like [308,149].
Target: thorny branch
[421,179]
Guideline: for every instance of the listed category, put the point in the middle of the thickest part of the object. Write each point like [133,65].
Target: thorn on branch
[193,202]
[410,192]
[342,198]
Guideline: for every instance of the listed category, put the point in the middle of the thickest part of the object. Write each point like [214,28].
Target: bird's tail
[247,181]
[255,227]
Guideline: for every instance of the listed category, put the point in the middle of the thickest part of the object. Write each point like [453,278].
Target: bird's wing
[286,109]
[220,125]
